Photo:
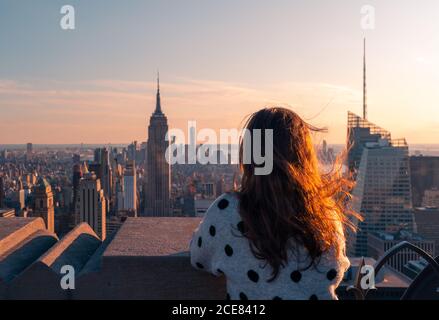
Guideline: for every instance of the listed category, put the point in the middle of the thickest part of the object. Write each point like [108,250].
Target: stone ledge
[146,259]
[152,236]
[14,230]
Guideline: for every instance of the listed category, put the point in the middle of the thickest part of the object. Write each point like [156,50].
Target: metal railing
[431,269]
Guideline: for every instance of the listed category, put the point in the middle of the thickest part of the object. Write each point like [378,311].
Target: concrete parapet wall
[145,259]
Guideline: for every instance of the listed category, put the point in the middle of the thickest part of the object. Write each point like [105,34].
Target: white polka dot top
[219,247]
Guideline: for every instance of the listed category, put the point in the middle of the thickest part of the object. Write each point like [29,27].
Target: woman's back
[281,235]
[219,247]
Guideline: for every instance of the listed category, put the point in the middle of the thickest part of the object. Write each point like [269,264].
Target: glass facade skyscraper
[361,132]
[382,193]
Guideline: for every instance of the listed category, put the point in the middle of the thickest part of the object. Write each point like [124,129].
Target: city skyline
[62,87]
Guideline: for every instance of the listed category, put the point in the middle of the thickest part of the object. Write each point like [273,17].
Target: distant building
[106,176]
[21,196]
[4,154]
[77,175]
[424,175]
[325,154]
[120,194]
[201,205]
[360,133]
[380,242]
[431,198]
[29,148]
[44,205]
[90,205]
[96,168]
[382,192]
[427,224]
[219,187]
[102,167]
[2,192]
[76,158]
[130,187]
[209,189]
[187,205]
[158,170]
[7,213]
[132,151]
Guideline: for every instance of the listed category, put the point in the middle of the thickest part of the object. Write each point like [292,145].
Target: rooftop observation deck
[146,259]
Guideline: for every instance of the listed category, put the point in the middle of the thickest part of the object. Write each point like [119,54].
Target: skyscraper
[21,194]
[76,158]
[132,151]
[158,170]
[380,165]
[360,130]
[382,193]
[77,175]
[29,148]
[103,170]
[90,204]
[427,224]
[431,198]
[424,171]
[107,176]
[130,189]
[44,206]
[120,194]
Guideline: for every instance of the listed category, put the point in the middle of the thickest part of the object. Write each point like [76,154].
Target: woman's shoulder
[225,207]
[227,202]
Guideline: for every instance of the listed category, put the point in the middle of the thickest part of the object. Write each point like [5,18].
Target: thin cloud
[117,110]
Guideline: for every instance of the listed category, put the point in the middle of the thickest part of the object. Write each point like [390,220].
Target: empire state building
[158,170]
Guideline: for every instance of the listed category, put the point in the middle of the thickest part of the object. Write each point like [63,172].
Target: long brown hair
[295,201]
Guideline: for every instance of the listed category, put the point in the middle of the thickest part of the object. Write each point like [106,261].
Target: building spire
[158,80]
[158,106]
[364,81]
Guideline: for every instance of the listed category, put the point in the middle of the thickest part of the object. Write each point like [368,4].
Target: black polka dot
[296,276]
[277,298]
[331,274]
[224,203]
[220,271]
[253,275]
[228,297]
[229,251]
[212,231]
[200,241]
[240,226]
[243,296]
[199,265]
[313,297]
